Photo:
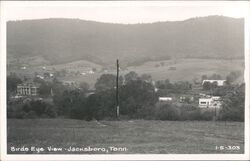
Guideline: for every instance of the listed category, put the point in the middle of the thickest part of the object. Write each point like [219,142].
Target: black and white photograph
[124,79]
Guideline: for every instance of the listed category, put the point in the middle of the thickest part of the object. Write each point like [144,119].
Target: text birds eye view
[86,87]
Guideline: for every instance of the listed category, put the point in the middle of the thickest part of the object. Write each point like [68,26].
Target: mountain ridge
[140,23]
[64,40]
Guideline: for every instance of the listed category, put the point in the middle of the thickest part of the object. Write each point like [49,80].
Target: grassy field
[186,69]
[129,137]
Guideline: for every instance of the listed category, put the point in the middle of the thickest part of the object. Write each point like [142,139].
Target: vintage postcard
[124,80]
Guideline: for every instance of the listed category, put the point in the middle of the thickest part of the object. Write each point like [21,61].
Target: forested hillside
[66,40]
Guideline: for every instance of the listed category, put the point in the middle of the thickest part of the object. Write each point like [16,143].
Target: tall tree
[84,86]
[131,76]
[234,104]
[105,82]
[12,82]
[146,77]
[232,76]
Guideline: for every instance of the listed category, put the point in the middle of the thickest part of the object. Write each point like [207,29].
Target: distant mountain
[65,40]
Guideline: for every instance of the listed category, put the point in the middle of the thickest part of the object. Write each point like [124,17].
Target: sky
[123,12]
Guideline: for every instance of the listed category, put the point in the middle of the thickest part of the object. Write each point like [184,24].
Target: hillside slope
[66,40]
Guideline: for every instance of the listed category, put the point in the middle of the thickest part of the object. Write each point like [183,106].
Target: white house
[165,99]
[27,89]
[69,83]
[219,82]
[39,76]
[91,72]
[210,102]
[83,73]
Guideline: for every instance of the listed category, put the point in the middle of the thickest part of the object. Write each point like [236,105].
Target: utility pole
[117,89]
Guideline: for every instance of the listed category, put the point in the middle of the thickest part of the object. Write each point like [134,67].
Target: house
[165,99]
[218,82]
[83,73]
[90,93]
[27,89]
[47,75]
[210,102]
[91,72]
[39,76]
[184,99]
[70,83]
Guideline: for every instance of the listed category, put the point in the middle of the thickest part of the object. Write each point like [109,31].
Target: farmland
[132,137]
[185,69]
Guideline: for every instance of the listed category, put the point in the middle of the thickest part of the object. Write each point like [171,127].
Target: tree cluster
[166,87]
[233,107]
[137,99]
[31,109]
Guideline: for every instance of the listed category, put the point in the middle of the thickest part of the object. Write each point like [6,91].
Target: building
[27,89]
[186,99]
[165,99]
[39,76]
[69,83]
[91,72]
[210,102]
[218,82]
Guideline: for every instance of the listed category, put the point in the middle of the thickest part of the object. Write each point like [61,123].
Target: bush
[207,115]
[194,115]
[15,111]
[30,115]
[188,112]
[167,112]
[146,112]
[233,106]
[12,81]
[32,109]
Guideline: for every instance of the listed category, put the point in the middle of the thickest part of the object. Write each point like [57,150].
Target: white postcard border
[5,156]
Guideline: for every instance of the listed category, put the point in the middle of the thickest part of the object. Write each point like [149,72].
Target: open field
[132,137]
[186,69]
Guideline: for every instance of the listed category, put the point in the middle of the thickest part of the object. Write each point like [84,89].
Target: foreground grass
[137,136]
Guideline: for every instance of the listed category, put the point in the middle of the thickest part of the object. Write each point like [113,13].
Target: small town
[205,96]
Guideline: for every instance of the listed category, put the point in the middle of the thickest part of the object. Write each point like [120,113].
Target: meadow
[186,69]
[128,136]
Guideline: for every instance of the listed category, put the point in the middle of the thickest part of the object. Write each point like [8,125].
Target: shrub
[207,115]
[146,112]
[32,109]
[31,115]
[194,115]
[233,106]
[167,112]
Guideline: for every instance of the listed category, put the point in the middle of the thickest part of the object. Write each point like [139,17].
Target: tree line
[138,100]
